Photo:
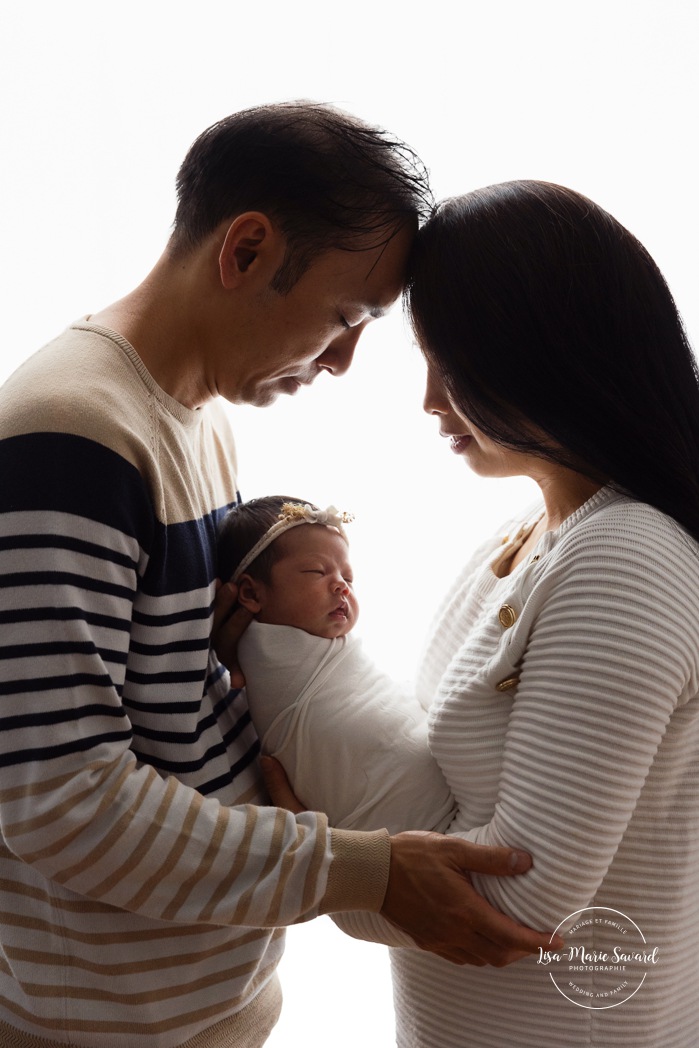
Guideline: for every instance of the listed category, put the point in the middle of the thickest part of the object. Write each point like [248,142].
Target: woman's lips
[459,444]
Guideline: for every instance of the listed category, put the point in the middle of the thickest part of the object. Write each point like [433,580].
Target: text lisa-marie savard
[614,957]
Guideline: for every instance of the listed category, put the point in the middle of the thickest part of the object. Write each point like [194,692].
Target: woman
[565,663]
[562,674]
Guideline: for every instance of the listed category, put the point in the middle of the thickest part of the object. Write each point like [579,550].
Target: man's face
[290,339]
[311,585]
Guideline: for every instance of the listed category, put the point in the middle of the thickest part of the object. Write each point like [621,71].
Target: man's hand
[230,622]
[430,896]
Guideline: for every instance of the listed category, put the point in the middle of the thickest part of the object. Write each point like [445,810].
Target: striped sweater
[141,886]
[566,721]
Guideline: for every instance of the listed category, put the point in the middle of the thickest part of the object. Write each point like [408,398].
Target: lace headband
[291,515]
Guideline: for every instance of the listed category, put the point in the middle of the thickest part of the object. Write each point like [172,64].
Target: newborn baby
[352,741]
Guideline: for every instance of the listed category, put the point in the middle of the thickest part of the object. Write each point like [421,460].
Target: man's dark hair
[327,179]
[556,335]
[243,526]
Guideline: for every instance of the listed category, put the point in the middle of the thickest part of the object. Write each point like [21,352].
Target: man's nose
[337,358]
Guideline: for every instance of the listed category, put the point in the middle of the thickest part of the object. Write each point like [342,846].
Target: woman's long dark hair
[537,307]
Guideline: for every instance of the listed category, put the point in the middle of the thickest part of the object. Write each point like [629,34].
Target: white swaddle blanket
[352,741]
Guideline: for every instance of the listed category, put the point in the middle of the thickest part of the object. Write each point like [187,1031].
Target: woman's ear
[250,593]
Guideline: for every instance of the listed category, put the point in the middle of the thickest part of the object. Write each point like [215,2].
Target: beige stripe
[93,1026]
[250,796]
[114,969]
[138,852]
[110,840]
[288,860]
[248,1028]
[61,990]
[153,934]
[245,898]
[172,859]
[77,905]
[37,788]
[316,865]
[107,800]
[237,865]
[200,874]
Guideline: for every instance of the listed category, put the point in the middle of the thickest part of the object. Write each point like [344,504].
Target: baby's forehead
[312,538]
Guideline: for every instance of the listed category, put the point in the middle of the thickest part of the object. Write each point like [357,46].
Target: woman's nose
[435,401]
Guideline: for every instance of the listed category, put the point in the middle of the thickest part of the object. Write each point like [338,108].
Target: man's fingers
[278,785]
[224,602]
[229,625]
[477,858]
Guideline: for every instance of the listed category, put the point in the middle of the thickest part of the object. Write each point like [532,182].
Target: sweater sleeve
[611,655]
[77,802]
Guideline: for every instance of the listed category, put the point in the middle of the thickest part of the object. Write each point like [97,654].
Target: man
[143,886]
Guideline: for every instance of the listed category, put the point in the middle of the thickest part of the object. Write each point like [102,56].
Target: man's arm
[429,895]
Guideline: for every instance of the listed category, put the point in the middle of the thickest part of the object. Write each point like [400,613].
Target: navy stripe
[29,720]
[47,753]
[202,644]
[175,737]
[73,680]
[53,541]
[68,474]
[61,647]
[67,578]
[215,677]
[181,767]
[157,708]
[186,615]
[64,615]
[166,677]
[213,785]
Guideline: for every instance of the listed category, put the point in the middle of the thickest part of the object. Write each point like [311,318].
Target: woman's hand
[229,625]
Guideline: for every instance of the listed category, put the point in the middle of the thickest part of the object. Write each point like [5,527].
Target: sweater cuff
[358,875]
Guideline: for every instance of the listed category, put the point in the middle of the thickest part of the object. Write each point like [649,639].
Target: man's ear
[250,593]
[252,246]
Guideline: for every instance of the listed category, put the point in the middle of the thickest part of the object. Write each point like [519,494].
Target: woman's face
[481,453]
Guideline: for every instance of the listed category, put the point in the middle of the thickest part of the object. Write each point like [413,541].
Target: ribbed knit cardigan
[565,717]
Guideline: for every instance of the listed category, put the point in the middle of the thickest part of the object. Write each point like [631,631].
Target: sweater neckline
[547,541]
[188,417]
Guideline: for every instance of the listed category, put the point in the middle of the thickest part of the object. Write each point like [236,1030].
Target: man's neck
[164,320]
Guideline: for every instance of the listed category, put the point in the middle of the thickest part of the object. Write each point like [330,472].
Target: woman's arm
[612,652]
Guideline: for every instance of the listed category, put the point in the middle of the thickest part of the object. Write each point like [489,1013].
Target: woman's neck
[563,491]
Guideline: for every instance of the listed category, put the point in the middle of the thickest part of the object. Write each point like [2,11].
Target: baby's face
[311,583]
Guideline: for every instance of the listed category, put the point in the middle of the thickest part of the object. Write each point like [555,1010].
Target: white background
[100,102]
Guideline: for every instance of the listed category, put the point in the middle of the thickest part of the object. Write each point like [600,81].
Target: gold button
[507,683]
[507,616]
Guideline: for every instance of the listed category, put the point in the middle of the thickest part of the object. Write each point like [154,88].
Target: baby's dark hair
[242,527]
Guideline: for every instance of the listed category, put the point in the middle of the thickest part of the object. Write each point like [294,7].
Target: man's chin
[263,396]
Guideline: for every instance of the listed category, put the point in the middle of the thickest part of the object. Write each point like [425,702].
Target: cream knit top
[564,715]
[566,721]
